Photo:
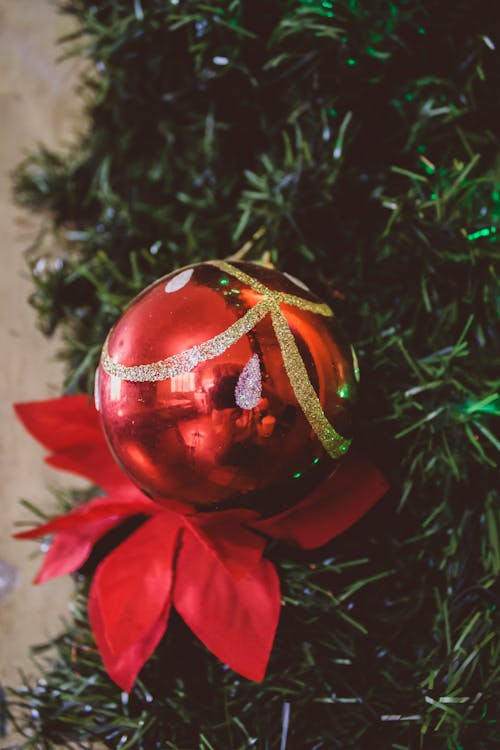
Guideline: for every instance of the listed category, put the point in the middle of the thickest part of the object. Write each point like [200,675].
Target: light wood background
[38,103]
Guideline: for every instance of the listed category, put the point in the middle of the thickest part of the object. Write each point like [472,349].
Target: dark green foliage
[363,136]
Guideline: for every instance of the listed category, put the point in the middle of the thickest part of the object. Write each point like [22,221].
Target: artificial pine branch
[363,136]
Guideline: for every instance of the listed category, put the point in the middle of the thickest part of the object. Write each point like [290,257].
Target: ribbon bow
[208,566]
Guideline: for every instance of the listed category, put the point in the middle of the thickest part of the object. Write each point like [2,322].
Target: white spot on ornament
[248,391]
[97,399]
[180,280]
[296,281]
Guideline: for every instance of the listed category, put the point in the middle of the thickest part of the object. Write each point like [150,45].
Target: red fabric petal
[59,422]
[330,509]
[79,530]
[92,462]
[70,428]
[101,509]
[123,668]
[68,551]
[238,548]
[130,595]
[236,618]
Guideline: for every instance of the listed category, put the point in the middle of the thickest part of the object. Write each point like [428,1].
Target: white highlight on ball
[97,398]
[298,282]
[178,281]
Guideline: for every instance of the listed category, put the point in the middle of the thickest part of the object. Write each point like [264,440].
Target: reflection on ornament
[178,281]
[97,392]
[296,281]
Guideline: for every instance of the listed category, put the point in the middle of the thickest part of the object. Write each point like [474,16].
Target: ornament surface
[226,383]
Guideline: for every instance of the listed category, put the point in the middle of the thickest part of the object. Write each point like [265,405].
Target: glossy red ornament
[227,384]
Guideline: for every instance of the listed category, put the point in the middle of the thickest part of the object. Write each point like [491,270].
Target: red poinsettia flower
[208,566]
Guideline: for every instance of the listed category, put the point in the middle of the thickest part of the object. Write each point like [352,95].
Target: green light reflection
[344,390]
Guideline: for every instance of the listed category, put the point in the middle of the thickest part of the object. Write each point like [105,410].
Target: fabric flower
[208,566]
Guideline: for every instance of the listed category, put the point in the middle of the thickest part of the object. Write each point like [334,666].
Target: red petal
[238,548]
[130,595]
[68,552]
[124,668]
[93,462]
[79,530]
[330,509]
[70,428]
[101,509]
[235,618]
[59,422]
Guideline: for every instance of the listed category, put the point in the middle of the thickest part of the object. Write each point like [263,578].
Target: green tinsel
[363,137]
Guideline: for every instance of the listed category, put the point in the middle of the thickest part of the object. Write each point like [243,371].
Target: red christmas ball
[226,383]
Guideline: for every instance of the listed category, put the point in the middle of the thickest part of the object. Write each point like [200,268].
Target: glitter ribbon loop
[187,360]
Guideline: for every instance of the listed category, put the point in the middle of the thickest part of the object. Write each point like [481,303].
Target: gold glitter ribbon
[333,443]
[188,359]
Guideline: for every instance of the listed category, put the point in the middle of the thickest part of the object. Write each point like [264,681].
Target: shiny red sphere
[228,429]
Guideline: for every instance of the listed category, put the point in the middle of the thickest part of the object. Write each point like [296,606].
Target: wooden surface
[38,103]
